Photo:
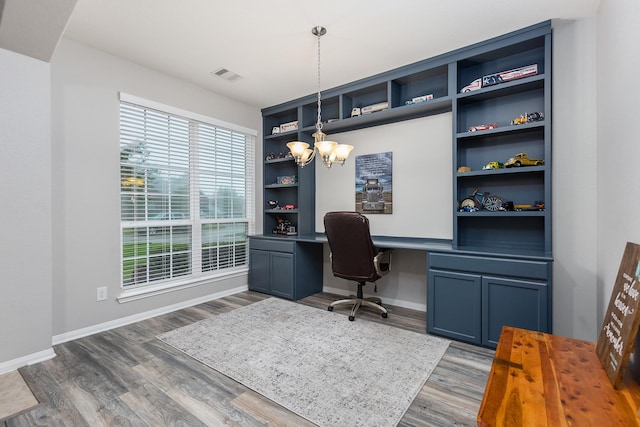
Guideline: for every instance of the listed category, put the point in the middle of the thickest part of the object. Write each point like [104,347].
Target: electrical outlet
[101,293]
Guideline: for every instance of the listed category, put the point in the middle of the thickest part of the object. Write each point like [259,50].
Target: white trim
[390,301]
[185,113]
[31,359]
[147,291]
[101,327]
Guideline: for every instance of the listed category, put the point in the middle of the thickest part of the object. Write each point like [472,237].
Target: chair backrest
[352,250]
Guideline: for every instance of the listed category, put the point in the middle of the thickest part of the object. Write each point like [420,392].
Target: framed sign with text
[621,320]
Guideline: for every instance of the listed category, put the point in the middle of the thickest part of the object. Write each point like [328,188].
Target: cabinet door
[282,274]
[517,303]
[453,305]
[259,271]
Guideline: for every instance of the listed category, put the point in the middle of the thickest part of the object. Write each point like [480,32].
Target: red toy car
[483,127]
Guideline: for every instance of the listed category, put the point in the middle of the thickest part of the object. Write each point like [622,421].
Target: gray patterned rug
[316,363]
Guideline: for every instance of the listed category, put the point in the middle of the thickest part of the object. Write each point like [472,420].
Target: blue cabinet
[512,302]
[470,298]
[458,309]
[284,268]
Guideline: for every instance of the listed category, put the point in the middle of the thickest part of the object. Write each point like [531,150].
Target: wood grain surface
[540,379]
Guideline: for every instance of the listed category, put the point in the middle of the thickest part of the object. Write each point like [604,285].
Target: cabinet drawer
[486,265]
[272,245]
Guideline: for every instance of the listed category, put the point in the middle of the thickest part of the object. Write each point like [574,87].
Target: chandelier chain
[319,121]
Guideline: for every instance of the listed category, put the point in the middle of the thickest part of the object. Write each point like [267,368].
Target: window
[186,195]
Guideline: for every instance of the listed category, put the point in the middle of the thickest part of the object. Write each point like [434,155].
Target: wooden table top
[540,379]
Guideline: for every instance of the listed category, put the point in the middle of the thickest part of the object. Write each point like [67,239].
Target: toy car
[526,118]
[493,165]
[522,159]
[483,127]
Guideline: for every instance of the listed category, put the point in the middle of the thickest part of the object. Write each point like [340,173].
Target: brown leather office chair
[354,257]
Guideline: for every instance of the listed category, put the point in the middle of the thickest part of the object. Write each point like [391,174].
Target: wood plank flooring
[126,377]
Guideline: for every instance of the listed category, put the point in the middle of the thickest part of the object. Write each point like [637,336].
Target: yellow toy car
[522,159]
[493,165]
[527,118]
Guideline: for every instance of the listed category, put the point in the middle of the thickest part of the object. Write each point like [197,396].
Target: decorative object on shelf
[483,127]
[493,165]
[330,151]
[284,227]
[463,169]
[522,159]
[526,118]
[287,127]
[374,108]
[478,200]
[287,180]
[273,204]
[501,77]
[419,99]
[275,130]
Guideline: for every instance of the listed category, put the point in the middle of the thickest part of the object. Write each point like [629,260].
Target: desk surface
[426,245]
[539,379]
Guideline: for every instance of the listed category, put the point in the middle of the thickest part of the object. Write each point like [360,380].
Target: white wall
[421,170]
[86,239]
[25,211]
[574,177]
[618,201]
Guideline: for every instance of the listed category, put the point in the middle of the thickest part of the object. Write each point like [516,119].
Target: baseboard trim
[31,359]
[101,327]
[391,301]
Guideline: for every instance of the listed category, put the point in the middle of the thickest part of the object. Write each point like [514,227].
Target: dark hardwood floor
[127,377]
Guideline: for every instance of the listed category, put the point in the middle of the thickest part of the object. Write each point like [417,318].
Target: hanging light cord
[319,122]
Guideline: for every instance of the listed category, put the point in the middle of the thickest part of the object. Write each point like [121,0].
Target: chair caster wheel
[352,318]
[384,315]
[330,308]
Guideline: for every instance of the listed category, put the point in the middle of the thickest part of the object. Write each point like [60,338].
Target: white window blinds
[186,190]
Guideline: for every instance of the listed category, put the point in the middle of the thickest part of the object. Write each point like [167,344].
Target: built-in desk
[471,292]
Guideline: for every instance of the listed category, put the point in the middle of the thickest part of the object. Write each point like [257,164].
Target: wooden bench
[540,379]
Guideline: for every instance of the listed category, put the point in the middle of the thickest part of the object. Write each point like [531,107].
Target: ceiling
[270,45]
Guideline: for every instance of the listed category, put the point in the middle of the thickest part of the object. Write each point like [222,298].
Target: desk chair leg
[359,301]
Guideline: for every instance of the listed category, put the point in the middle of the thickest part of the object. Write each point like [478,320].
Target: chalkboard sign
[621,321]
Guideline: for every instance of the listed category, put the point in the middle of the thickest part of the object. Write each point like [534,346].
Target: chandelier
[329,151]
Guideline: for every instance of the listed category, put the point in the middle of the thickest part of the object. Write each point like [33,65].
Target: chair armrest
[382,262]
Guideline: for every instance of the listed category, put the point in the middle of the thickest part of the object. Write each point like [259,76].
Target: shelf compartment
[496,231]
[481,149]
[429,82]
[522,188]
[276,119]
[363,97]
[500,110]
[330,111]
[513,56]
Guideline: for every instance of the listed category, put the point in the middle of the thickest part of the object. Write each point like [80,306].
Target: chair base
[359,301]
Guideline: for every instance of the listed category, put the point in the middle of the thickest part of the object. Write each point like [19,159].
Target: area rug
[316,363]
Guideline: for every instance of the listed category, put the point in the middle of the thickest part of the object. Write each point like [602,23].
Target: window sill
[129,295]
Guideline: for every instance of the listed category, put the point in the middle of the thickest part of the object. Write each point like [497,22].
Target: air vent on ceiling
[226,74]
